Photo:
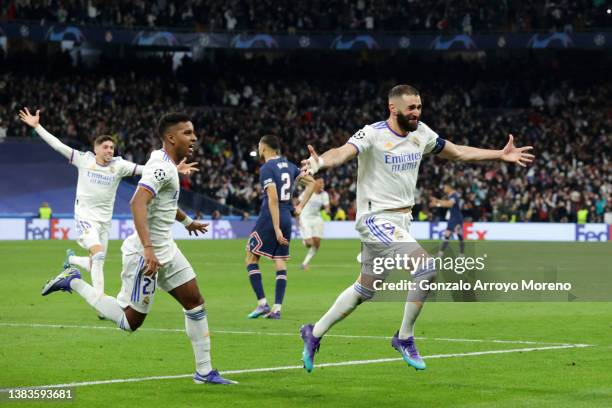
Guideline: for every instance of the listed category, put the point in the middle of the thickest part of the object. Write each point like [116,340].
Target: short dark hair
[103,138]
[170,119]
[400,90]
[271,141]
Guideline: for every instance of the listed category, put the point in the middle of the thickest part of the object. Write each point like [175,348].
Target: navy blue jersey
[282,173]
[455,210]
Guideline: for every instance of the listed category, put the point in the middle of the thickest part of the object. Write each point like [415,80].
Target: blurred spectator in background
[45,212]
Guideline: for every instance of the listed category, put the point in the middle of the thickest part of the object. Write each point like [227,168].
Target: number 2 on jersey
[285,192]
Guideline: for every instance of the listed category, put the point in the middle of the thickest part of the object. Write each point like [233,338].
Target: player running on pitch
[150,256]
[272,231]
[99,176]
[311,222]
[390,153]
[455,219]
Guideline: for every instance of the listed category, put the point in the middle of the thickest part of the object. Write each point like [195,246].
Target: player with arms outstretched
[99,176]
[455,219]
[150,256]
[390,153]
[272,232]
[311,222]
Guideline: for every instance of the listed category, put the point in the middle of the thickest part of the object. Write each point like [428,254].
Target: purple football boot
[273,315]
[213,377]
[61,282]
[311,346]
[259,310]
[408,351]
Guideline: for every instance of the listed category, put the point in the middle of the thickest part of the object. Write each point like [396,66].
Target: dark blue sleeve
[266,176]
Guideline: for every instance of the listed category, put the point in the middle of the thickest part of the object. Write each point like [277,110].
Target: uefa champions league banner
[63,229]
[360,41]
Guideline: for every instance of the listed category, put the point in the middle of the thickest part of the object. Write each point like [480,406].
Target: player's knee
[364,292]
[250,258]
[194,302]
[95,250]
[132,324]
[131,320]
[426,272]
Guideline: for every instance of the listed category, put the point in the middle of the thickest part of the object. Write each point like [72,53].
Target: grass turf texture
[556,378]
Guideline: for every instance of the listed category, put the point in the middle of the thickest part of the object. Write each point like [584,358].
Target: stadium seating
[334,15]
[558,111]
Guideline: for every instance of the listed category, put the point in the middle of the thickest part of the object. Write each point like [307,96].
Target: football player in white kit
[99,176]
[150,256]
[389,154]
[311,222]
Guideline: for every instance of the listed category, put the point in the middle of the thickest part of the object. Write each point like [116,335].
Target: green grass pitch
[58,339]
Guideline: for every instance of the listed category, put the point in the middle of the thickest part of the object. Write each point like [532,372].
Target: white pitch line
[296,367]
[260,333]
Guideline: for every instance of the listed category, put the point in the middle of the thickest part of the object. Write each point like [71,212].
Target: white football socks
[411,312]
[344,305]
[105,305]
[97,271]
[80,261]
[311,253]
[196,325]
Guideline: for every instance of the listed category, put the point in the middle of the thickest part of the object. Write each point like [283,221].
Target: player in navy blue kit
[455,221]
[272,232]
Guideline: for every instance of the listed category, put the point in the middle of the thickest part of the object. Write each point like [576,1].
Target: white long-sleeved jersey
[97,184]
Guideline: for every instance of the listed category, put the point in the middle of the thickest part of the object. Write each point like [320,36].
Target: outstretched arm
[190,224]
[183,168]
[54,142]
[509,153]
[331,158]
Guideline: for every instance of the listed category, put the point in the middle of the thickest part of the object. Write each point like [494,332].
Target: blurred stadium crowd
[319,15]
[560,105]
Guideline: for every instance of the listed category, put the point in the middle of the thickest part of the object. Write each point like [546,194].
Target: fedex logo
[593,232]
[45,229]
[437,228]
[470,233]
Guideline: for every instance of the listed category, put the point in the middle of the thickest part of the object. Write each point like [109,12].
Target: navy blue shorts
[262,240]
[455,226]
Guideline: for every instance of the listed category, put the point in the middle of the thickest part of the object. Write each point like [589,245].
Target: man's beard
[404,123]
